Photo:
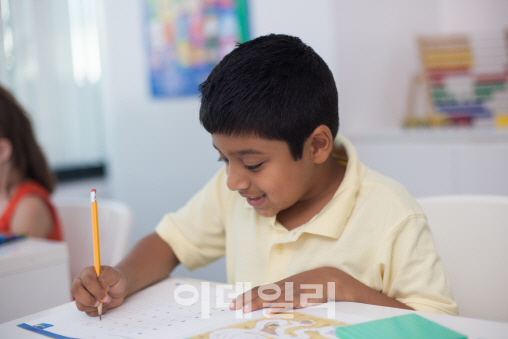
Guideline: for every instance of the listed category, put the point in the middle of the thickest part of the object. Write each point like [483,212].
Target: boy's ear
[321,142]
[5,150]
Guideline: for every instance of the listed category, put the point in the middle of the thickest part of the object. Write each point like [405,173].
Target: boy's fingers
[245,298]
[95,312]
[237,303]
[92,311]
[93,286]
[275,310]
[87,289]
[275,307]
[82,295]
[268,296]
[108,277]
[85,308]
[255,305]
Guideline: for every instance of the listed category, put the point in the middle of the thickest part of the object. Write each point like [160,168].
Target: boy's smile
[264,172]
[255,201]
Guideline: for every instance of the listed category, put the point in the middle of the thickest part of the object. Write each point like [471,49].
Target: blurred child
[26,181]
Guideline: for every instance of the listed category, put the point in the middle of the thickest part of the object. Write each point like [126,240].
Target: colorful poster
[187,38]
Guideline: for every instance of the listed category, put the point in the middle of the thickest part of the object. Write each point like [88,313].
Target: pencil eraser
[94,190]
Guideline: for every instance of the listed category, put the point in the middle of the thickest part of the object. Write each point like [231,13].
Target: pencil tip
[99,309]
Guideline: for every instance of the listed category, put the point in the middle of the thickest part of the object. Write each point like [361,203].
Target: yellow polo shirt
[372,229]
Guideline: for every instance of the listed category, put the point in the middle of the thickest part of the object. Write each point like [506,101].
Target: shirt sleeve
[196,232]
[412,272]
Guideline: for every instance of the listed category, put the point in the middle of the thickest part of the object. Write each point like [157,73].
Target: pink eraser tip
[94,190]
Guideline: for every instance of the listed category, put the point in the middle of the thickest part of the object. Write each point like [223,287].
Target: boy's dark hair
[275,87]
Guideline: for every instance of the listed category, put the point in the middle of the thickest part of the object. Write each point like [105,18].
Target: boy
[293,203]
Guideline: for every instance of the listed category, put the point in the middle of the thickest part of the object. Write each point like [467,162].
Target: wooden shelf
[432,136]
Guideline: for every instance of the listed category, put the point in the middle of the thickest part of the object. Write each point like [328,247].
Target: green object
[410,326]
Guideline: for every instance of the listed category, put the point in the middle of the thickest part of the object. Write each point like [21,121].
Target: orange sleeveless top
[30,188]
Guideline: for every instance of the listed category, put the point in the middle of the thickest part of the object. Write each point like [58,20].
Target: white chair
[471,235]
[115,224]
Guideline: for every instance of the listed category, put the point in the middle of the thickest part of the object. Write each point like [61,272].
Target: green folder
[405,326]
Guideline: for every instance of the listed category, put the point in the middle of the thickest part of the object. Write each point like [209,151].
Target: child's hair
[273,87]
[27,156]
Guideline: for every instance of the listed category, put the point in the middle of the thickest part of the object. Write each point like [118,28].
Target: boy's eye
[254,167]
[250,168]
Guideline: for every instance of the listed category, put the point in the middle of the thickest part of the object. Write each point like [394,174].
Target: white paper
[150,313]
[159,312]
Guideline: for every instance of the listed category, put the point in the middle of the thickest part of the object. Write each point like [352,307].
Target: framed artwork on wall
[187,38]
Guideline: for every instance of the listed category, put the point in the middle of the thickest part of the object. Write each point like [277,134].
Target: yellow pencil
[96,247]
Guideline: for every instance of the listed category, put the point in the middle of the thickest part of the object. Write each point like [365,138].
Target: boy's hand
[300,290]
[88,289]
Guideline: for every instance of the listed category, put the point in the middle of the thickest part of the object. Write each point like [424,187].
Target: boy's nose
[236,181]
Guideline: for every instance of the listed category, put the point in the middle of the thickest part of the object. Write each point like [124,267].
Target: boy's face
[264,172]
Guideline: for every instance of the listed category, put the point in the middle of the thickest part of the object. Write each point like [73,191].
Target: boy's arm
[150,260]
[353,290]
[311,288]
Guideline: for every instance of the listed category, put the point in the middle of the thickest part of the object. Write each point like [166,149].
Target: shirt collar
[332,219]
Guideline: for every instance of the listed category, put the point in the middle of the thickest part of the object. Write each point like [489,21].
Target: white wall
[377,54]
[473,15]
[159,155]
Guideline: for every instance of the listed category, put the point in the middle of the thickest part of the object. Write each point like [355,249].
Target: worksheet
[173,308]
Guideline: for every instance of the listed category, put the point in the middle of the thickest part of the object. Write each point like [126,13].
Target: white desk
[34,276]
[473,328]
